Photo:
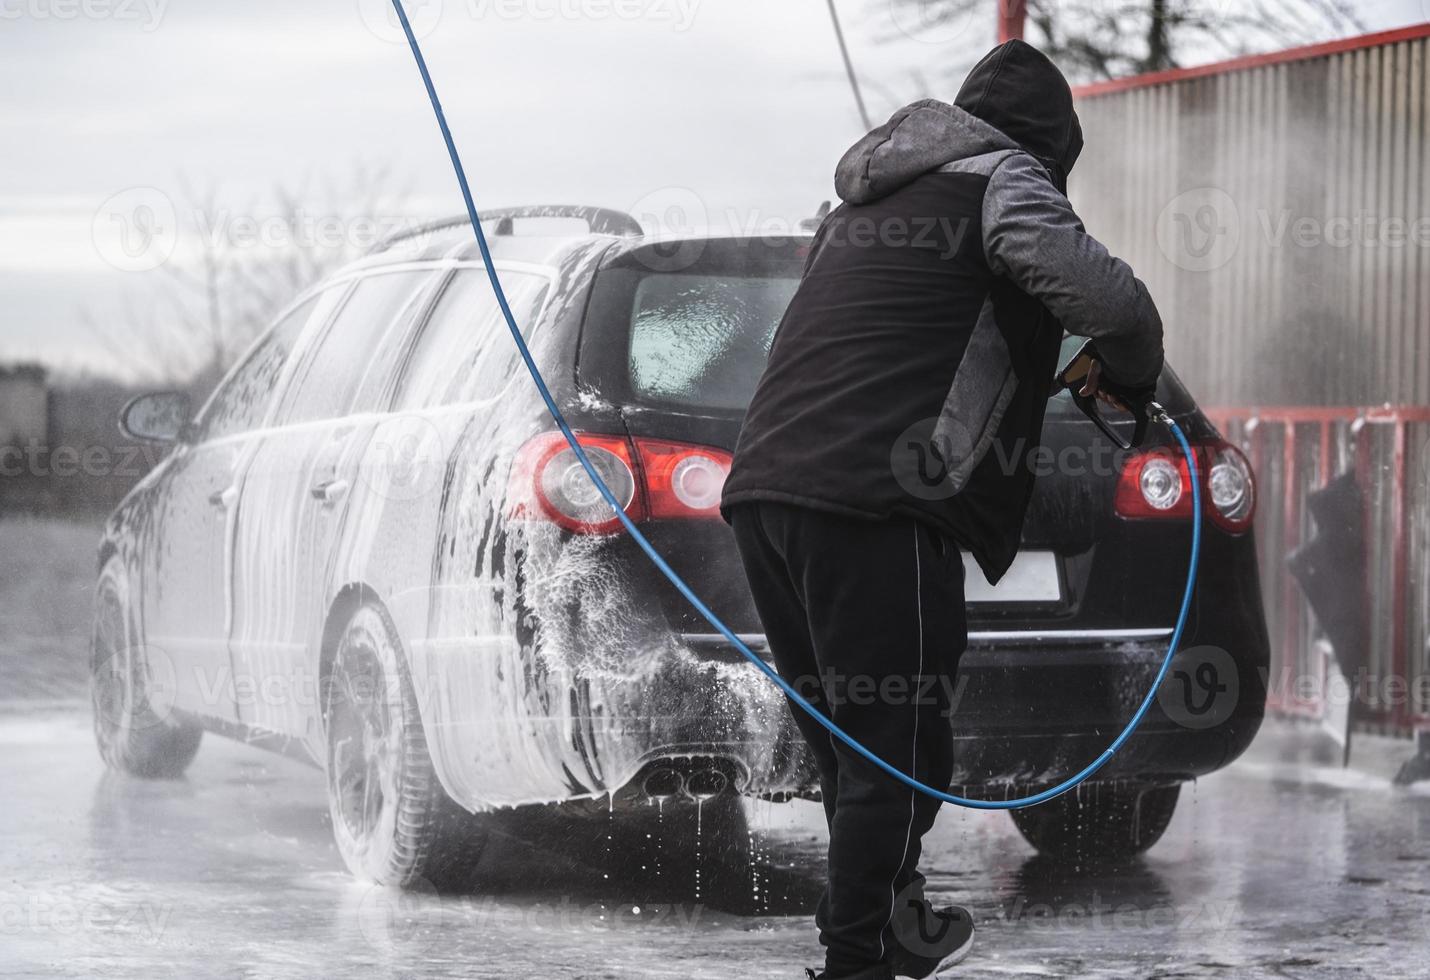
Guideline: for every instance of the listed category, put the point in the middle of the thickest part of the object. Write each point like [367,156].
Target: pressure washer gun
[1141,403]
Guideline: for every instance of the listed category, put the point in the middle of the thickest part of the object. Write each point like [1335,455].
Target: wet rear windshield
[703,339]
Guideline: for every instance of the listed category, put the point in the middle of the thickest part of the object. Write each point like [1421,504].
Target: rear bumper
[1032,707]
[1028,711]
[600,671]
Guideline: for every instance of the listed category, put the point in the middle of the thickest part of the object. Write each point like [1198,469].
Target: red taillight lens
[681,480]
[1231,487]
[656,479]
[549,483]
[1155,485]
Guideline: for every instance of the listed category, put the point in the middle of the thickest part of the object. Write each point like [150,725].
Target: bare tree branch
[1100,39]
[240,266]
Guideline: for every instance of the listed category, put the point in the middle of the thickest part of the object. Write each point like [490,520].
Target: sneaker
[930,940]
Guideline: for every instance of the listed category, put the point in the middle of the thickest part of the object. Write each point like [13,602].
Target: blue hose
[705,610]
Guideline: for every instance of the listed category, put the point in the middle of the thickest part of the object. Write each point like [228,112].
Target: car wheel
[1099,824]
[133,726]
[393,822]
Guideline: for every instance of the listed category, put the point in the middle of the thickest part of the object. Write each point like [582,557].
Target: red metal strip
[1289,413]
[1400,641]
[1012,15]
[1399,413]
[1321,413]
[1362,438]
[1293,650]
[1284,689]
[1325,468]
[1304,53]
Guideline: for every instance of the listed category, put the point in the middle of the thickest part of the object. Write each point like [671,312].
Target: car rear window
[697,336]
[702,340]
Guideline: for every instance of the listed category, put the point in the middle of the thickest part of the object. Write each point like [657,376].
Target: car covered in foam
[371,549]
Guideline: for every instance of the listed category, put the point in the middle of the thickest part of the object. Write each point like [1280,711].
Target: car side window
[329,377]
[465,351]
[242,401]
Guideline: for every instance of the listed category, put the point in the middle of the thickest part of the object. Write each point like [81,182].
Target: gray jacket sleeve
[1032,236]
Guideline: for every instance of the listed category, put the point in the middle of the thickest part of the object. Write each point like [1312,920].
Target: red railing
[1295,451]
[1308,52]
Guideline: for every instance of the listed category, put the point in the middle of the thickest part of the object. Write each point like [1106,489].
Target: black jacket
[927,325]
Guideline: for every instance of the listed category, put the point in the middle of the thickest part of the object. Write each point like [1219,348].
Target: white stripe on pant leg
[914,760]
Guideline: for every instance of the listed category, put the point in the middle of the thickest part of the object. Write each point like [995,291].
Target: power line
[849,66]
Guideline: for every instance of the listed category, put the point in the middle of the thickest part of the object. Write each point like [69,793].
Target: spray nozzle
[1140,402]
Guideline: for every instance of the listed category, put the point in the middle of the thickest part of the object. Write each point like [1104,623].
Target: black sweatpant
[866,619]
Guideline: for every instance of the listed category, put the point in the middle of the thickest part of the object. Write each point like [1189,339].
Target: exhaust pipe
[707,784]
[663,784]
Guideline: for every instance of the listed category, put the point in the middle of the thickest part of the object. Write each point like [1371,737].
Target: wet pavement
[1264,872]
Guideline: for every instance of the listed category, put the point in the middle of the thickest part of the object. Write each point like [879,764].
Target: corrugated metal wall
[1280,216]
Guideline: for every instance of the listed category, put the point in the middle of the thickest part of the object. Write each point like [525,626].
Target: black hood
[1019,92]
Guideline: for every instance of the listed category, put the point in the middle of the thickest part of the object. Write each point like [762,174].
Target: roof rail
[601,221]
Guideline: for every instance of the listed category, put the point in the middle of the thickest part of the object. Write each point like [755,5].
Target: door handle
[330,492]
[224,498]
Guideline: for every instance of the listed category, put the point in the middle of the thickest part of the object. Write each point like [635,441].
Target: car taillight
[549,483]
[654,478]
[682,480]
[1155,485]
[1231,487]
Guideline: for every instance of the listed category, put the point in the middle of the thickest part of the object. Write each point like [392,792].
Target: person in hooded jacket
[891,432]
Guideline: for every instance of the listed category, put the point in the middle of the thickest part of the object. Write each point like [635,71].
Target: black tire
[393,822]
[134,727]
[1099,824]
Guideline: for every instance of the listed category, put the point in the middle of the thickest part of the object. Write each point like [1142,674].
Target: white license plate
[1033,578]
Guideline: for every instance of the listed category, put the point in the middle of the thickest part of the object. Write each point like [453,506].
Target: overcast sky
[739,106]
